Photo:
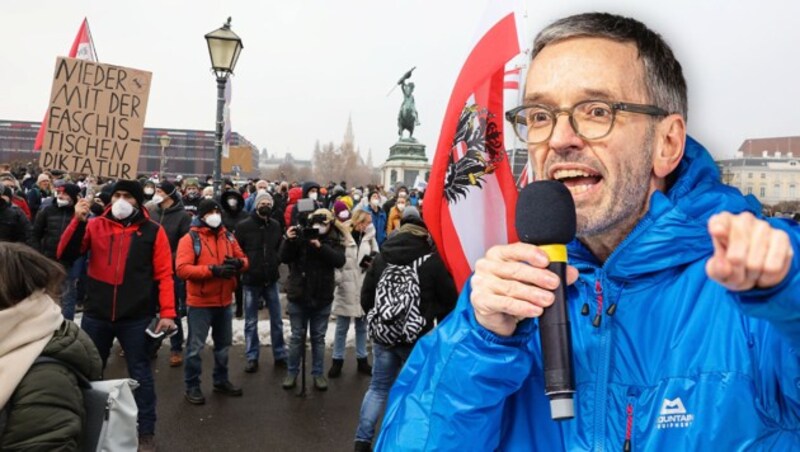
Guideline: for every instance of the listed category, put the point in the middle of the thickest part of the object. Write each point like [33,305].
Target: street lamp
[164,140]
[224,47]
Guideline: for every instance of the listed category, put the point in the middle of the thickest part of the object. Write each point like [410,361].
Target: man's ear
[670,141]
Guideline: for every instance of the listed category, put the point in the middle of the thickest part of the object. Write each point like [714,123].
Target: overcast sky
[307,65]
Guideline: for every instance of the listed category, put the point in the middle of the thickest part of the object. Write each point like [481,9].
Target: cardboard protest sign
[241,156]
[95,120]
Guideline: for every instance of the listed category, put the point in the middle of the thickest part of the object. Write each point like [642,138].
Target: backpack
[395,318]
[197,246]
[111,412]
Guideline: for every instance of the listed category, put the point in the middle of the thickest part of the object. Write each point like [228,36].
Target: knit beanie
[206,206]
[340,211]
[262,197]
[71,190]
[168,188]
[131,186]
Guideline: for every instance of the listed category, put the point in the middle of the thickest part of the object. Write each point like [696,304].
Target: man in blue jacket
[684,302]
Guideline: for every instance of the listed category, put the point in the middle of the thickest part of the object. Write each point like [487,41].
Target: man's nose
[564,135]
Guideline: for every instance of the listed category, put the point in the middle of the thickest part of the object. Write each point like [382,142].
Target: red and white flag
[469,204]
[83,49]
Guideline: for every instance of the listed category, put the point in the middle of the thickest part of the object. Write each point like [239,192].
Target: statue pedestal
[406,162]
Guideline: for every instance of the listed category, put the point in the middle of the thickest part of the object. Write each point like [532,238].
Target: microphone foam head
[545,214]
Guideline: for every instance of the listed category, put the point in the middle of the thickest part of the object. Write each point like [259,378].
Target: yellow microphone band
[556,253]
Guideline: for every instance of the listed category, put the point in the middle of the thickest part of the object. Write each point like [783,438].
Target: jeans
[200,320]
[70,297]
[252,294]
[299,317]
[386,365]
[134,342]
[342,325]
[176,341]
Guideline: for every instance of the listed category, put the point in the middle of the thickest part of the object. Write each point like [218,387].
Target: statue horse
[407,118]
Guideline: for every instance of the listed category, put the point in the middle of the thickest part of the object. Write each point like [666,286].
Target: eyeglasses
[590,119]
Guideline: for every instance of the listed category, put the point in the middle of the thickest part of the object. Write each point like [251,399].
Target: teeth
[578,189]
[565,173]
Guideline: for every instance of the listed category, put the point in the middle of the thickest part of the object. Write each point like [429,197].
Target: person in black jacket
[310,191]
[438,295]
[50,223]
[166,209]
[232,214]
[260,238]
[14,225]
[310,290]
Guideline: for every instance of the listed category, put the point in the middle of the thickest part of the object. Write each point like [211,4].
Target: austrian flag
[469,204]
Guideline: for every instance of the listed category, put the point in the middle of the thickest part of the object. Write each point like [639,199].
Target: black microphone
[546,218]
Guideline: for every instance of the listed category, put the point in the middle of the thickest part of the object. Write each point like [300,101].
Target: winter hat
[191,182]
[410,213]
[262,197]
[206,206]
[168,188]
[340,211]
[131,186]
[71,190]
[42,177]
[105,197]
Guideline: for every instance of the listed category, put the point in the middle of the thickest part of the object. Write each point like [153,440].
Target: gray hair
[664,82]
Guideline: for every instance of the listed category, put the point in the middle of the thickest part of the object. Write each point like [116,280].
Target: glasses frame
[513,116]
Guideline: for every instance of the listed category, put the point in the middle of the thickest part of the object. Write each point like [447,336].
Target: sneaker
[251,366]
[336,368]
[227,388]
[175,359]
[363,446]
[281,364]
[147,443]
[195,396]
[289,382]
[320,383]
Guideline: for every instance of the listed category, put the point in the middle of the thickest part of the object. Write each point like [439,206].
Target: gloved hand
[223,271]
[234,262]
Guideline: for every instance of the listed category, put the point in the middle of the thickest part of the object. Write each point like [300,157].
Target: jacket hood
[403,247]
[674,230]
[295,194]
[72,346]
[308,186]
[223,200]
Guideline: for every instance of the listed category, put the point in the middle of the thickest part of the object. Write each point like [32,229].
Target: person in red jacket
[209,258]
[128,254]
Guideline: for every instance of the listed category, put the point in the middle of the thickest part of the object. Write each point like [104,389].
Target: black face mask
[97,209]
[193,195]
[265,211]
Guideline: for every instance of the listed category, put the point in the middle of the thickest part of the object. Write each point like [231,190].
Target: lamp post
[224,47]
[162,168]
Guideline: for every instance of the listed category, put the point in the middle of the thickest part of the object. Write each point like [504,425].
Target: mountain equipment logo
[673,415]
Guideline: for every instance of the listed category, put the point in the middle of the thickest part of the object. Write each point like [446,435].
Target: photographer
[313,249]
[360,249]
[209,258]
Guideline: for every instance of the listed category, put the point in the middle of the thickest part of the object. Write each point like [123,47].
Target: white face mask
[149,191]
[233,203]
[356,198]
[62,202]
[401,207]
[375,202]
[321,228]
[208,196]
[213,220]
[121,209]
[158,199]
[261,191]
[344,215]
[313,196]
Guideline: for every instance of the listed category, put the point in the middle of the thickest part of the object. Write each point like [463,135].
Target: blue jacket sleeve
[453,389]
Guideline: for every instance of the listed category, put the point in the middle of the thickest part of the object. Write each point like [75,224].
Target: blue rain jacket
[681,364]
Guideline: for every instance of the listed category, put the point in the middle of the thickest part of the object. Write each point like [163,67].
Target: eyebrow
[587,94]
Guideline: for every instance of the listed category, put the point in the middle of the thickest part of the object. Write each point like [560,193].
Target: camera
[367,260]
[305,231]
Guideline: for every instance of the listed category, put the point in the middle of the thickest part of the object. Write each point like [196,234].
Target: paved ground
[266,418]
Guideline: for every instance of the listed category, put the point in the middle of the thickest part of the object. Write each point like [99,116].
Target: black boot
[364,367]
[336,368]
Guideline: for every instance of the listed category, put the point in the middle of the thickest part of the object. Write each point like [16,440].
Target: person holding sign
[128,255]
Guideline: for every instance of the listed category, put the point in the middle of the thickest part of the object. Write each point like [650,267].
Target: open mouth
[578,181]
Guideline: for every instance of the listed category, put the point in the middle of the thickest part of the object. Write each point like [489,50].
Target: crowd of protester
[133,255]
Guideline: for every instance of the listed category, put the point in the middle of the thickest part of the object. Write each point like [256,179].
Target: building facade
[189,152]
[768,168]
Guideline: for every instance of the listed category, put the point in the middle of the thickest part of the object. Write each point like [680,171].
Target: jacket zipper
[601,398]
[111,250]
[116,276]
